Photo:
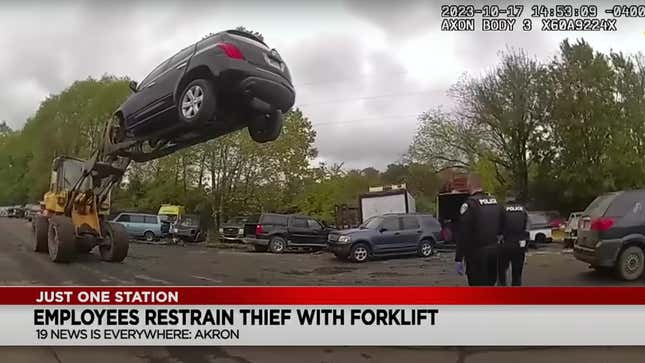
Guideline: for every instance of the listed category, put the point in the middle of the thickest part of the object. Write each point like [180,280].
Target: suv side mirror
[133,86]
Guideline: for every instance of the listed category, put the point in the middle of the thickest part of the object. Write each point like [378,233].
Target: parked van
[146,226]
[171,213]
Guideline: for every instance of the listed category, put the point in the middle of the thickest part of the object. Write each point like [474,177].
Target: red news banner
[322,295]
[321,315]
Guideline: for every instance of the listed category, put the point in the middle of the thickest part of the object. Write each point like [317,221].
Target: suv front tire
[360,252]
[196,104]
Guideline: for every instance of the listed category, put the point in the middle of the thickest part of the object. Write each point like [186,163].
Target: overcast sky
[363,69]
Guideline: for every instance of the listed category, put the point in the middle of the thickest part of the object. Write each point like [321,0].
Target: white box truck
[382,200]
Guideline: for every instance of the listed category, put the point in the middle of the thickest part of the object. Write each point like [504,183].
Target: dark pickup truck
[278,232]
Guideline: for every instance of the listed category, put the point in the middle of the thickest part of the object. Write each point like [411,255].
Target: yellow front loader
[75,208]
[73,219]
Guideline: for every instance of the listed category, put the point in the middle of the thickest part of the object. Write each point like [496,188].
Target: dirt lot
[149,264]
[201,265]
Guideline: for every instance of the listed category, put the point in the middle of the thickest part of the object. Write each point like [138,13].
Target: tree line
[555,133]
[219,179]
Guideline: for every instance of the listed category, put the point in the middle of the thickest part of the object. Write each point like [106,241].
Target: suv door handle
[419,232]
[397,233]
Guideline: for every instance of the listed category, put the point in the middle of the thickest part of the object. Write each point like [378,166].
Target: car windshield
[168,218]
[190,221]
[237,220]
[538,218]
[72,171]
[371,223]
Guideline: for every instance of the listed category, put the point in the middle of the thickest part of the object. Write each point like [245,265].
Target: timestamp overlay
[530,17]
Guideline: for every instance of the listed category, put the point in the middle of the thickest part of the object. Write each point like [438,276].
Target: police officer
[479,232]
[512,249]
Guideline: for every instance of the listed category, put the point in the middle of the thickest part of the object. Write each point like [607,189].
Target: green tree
[508,103]
[582,142]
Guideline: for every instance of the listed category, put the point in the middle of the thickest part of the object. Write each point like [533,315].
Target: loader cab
[65,173]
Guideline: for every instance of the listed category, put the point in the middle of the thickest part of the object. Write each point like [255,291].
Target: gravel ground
[164,264]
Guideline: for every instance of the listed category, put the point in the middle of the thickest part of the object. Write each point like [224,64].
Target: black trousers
[481,266]
[514,255]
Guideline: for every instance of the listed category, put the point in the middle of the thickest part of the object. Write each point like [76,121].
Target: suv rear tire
[631,263]
[266,127]
[426,248]
[277,244]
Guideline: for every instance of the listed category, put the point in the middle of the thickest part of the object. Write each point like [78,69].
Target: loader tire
[40,226]
[61,239]
[114,247]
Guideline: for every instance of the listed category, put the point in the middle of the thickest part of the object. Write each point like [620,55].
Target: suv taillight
[602,224]
[259,230]
[231,50]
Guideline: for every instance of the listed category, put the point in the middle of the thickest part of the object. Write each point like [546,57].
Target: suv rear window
[274,219]
[244,36]
[599,206]
[624,204]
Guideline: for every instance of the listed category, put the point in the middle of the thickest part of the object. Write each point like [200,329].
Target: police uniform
[479,227]
[512,251]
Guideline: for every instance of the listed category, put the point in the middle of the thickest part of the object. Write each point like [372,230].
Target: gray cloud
[353,126]
[337,72]
[399,20]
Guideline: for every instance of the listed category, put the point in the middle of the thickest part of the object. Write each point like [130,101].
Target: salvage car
[189,229]
[540,228]
[279,232]
[233,229]
[141,225]
[611,234]
[224,82]
[389,234]
[16,212]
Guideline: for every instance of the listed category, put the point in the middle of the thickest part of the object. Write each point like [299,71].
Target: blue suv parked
[389,234]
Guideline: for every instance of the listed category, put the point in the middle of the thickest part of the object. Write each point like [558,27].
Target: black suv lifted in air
[223,83]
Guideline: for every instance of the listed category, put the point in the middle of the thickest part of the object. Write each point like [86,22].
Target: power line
[393,95]
[389,117]
[343,80]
